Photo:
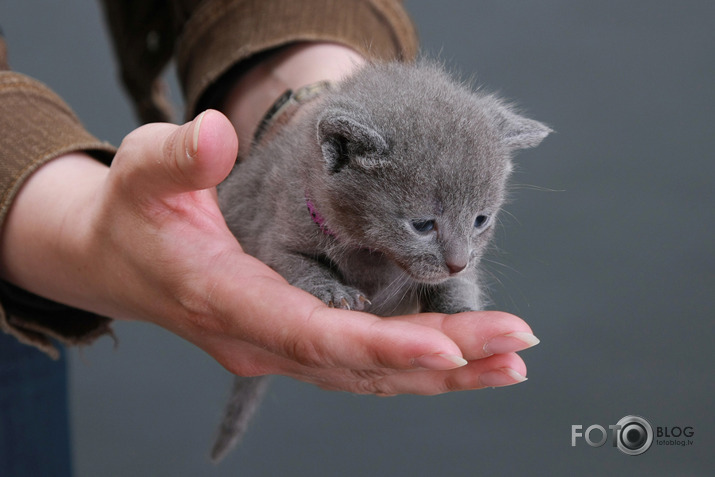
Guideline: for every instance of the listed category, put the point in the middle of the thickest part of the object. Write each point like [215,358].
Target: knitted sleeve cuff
[37,126]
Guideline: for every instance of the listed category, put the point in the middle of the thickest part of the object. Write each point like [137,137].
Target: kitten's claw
[337,295]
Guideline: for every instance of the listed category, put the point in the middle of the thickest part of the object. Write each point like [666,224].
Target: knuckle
[372,382]
[450,384]
[303,351]
[308,350]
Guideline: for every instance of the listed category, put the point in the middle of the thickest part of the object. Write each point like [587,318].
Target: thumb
[163,159]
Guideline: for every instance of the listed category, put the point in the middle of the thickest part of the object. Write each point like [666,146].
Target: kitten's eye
[423,226]
[481,221]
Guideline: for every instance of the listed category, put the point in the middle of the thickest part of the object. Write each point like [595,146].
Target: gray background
[606,250]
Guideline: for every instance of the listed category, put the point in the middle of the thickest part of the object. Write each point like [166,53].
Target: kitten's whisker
[501,264]
[506,211]
[396,287]
[533,187]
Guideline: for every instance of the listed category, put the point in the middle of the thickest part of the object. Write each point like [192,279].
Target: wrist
[291,67]
[45,227]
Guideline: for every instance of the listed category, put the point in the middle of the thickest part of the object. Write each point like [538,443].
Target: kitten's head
[415,166]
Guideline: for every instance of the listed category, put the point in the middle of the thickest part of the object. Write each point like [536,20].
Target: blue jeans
[34,421]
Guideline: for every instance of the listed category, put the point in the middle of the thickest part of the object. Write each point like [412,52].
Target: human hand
[145,240]
[188,274]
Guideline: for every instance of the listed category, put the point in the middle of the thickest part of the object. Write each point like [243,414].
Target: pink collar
[317,218]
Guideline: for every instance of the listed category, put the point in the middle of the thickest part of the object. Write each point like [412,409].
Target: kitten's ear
[519,132]
[345,140]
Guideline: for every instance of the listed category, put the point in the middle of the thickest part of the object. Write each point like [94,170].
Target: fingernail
[501,377]
[195,134]
[510,342]
[439,362]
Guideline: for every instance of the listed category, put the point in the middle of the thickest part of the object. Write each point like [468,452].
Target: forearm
[41,241]
[291,67]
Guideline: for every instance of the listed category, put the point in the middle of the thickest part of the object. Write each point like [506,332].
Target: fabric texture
[209,40]
[38,126]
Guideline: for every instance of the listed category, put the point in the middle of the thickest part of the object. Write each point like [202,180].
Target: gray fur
[246,395]
[390,147]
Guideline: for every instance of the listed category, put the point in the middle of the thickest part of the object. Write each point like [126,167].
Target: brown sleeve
[210,37]
[222,33]
[38,126]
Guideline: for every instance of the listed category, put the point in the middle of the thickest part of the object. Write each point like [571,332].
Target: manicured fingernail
[195,134]
[439,362]
[510,342]
[501,377]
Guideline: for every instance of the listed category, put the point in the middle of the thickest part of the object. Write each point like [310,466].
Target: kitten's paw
[340,296]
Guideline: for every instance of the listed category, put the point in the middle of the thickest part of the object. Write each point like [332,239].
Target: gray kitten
[380,194]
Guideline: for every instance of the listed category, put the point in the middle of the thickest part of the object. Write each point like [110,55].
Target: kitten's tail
[246,395]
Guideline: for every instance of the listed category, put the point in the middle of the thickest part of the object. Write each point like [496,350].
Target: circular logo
[634,436]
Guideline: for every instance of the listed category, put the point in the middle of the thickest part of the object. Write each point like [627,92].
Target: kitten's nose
[455,268]
[456,254]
